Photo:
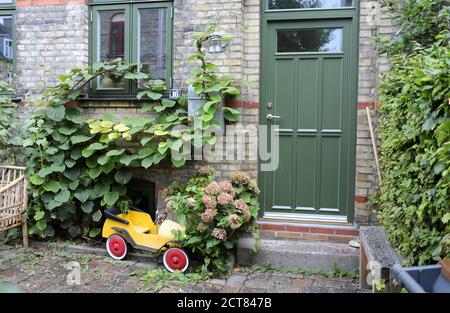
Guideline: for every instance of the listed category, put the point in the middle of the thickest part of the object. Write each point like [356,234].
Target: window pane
[308,4]
[310,40]
[111,43]
[152,42]
[6,48]
[5,1]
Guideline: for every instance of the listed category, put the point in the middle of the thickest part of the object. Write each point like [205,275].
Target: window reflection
[310,40]
[308,4]
[111,44]
[6,48]
[152,42]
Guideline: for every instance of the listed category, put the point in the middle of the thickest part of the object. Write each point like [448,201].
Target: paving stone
[45,271]
[236,280]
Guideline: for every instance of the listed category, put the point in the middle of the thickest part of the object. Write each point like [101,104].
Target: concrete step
[298,254]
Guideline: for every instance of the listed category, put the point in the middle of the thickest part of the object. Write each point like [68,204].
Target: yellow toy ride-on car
[137,229]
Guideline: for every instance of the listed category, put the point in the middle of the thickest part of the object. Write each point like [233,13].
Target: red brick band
[370,105]
[245,104]
[41,3]
[311,230]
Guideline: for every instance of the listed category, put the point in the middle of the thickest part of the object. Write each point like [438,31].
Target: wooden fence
[13,199]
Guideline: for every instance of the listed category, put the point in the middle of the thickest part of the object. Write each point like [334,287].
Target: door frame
[353,13]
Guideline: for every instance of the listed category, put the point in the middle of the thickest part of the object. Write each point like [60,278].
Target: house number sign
[175,93]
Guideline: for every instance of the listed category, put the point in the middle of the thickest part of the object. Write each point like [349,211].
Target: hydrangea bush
[216,214]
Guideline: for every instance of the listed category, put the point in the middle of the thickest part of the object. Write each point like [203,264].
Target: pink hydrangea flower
[235,223]
[226,186]
[212,189]
[240,205]
[240,178]
[190,202]
[209,202]
[253,186]
[225,198]
[247,215]
[209,215]
[220,233]
[206,171]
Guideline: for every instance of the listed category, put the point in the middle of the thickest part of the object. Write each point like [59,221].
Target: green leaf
[147,162]
[94,232]
[67,130]
[103,159]
[94,172]
[97,146]
[56,113]
[72,173]
[87,207]
[74,230]
[52,186]
[82,195]
[37,180]
[127,159]
[63,196]
[79,139]
[178,162]
[193,240]
[446,218]
[212,242]
[154,95]
[39,215]
[168,103]
[111,198]
[230,114]
[41,225]
[97,216]
[123,176]
[115,152]
[145,152]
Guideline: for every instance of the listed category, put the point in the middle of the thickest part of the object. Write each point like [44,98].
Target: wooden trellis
[13,199]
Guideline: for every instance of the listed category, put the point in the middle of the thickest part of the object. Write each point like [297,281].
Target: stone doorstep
[295,254]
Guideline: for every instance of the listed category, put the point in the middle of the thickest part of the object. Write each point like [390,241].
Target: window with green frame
[139,33]
[7,40]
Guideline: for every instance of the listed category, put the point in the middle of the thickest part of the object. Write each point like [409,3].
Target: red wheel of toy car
[175,260]
[116,247]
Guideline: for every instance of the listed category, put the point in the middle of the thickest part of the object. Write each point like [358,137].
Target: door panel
[309,84]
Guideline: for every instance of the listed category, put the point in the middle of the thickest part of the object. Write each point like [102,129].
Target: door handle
[273,117]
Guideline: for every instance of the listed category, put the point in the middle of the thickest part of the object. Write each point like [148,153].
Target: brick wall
[373,21]
[52,37]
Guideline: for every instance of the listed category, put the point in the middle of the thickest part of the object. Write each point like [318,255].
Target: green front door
[308,93]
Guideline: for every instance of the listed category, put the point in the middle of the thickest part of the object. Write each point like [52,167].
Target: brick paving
[46,270]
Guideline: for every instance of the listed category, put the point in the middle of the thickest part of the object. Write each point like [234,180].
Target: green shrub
[415,131]
[216,214]
[10,139]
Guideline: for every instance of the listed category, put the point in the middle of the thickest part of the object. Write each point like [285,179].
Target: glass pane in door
[310,40]
[308,4]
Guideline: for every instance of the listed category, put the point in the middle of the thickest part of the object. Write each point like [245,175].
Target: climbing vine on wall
[79,166]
